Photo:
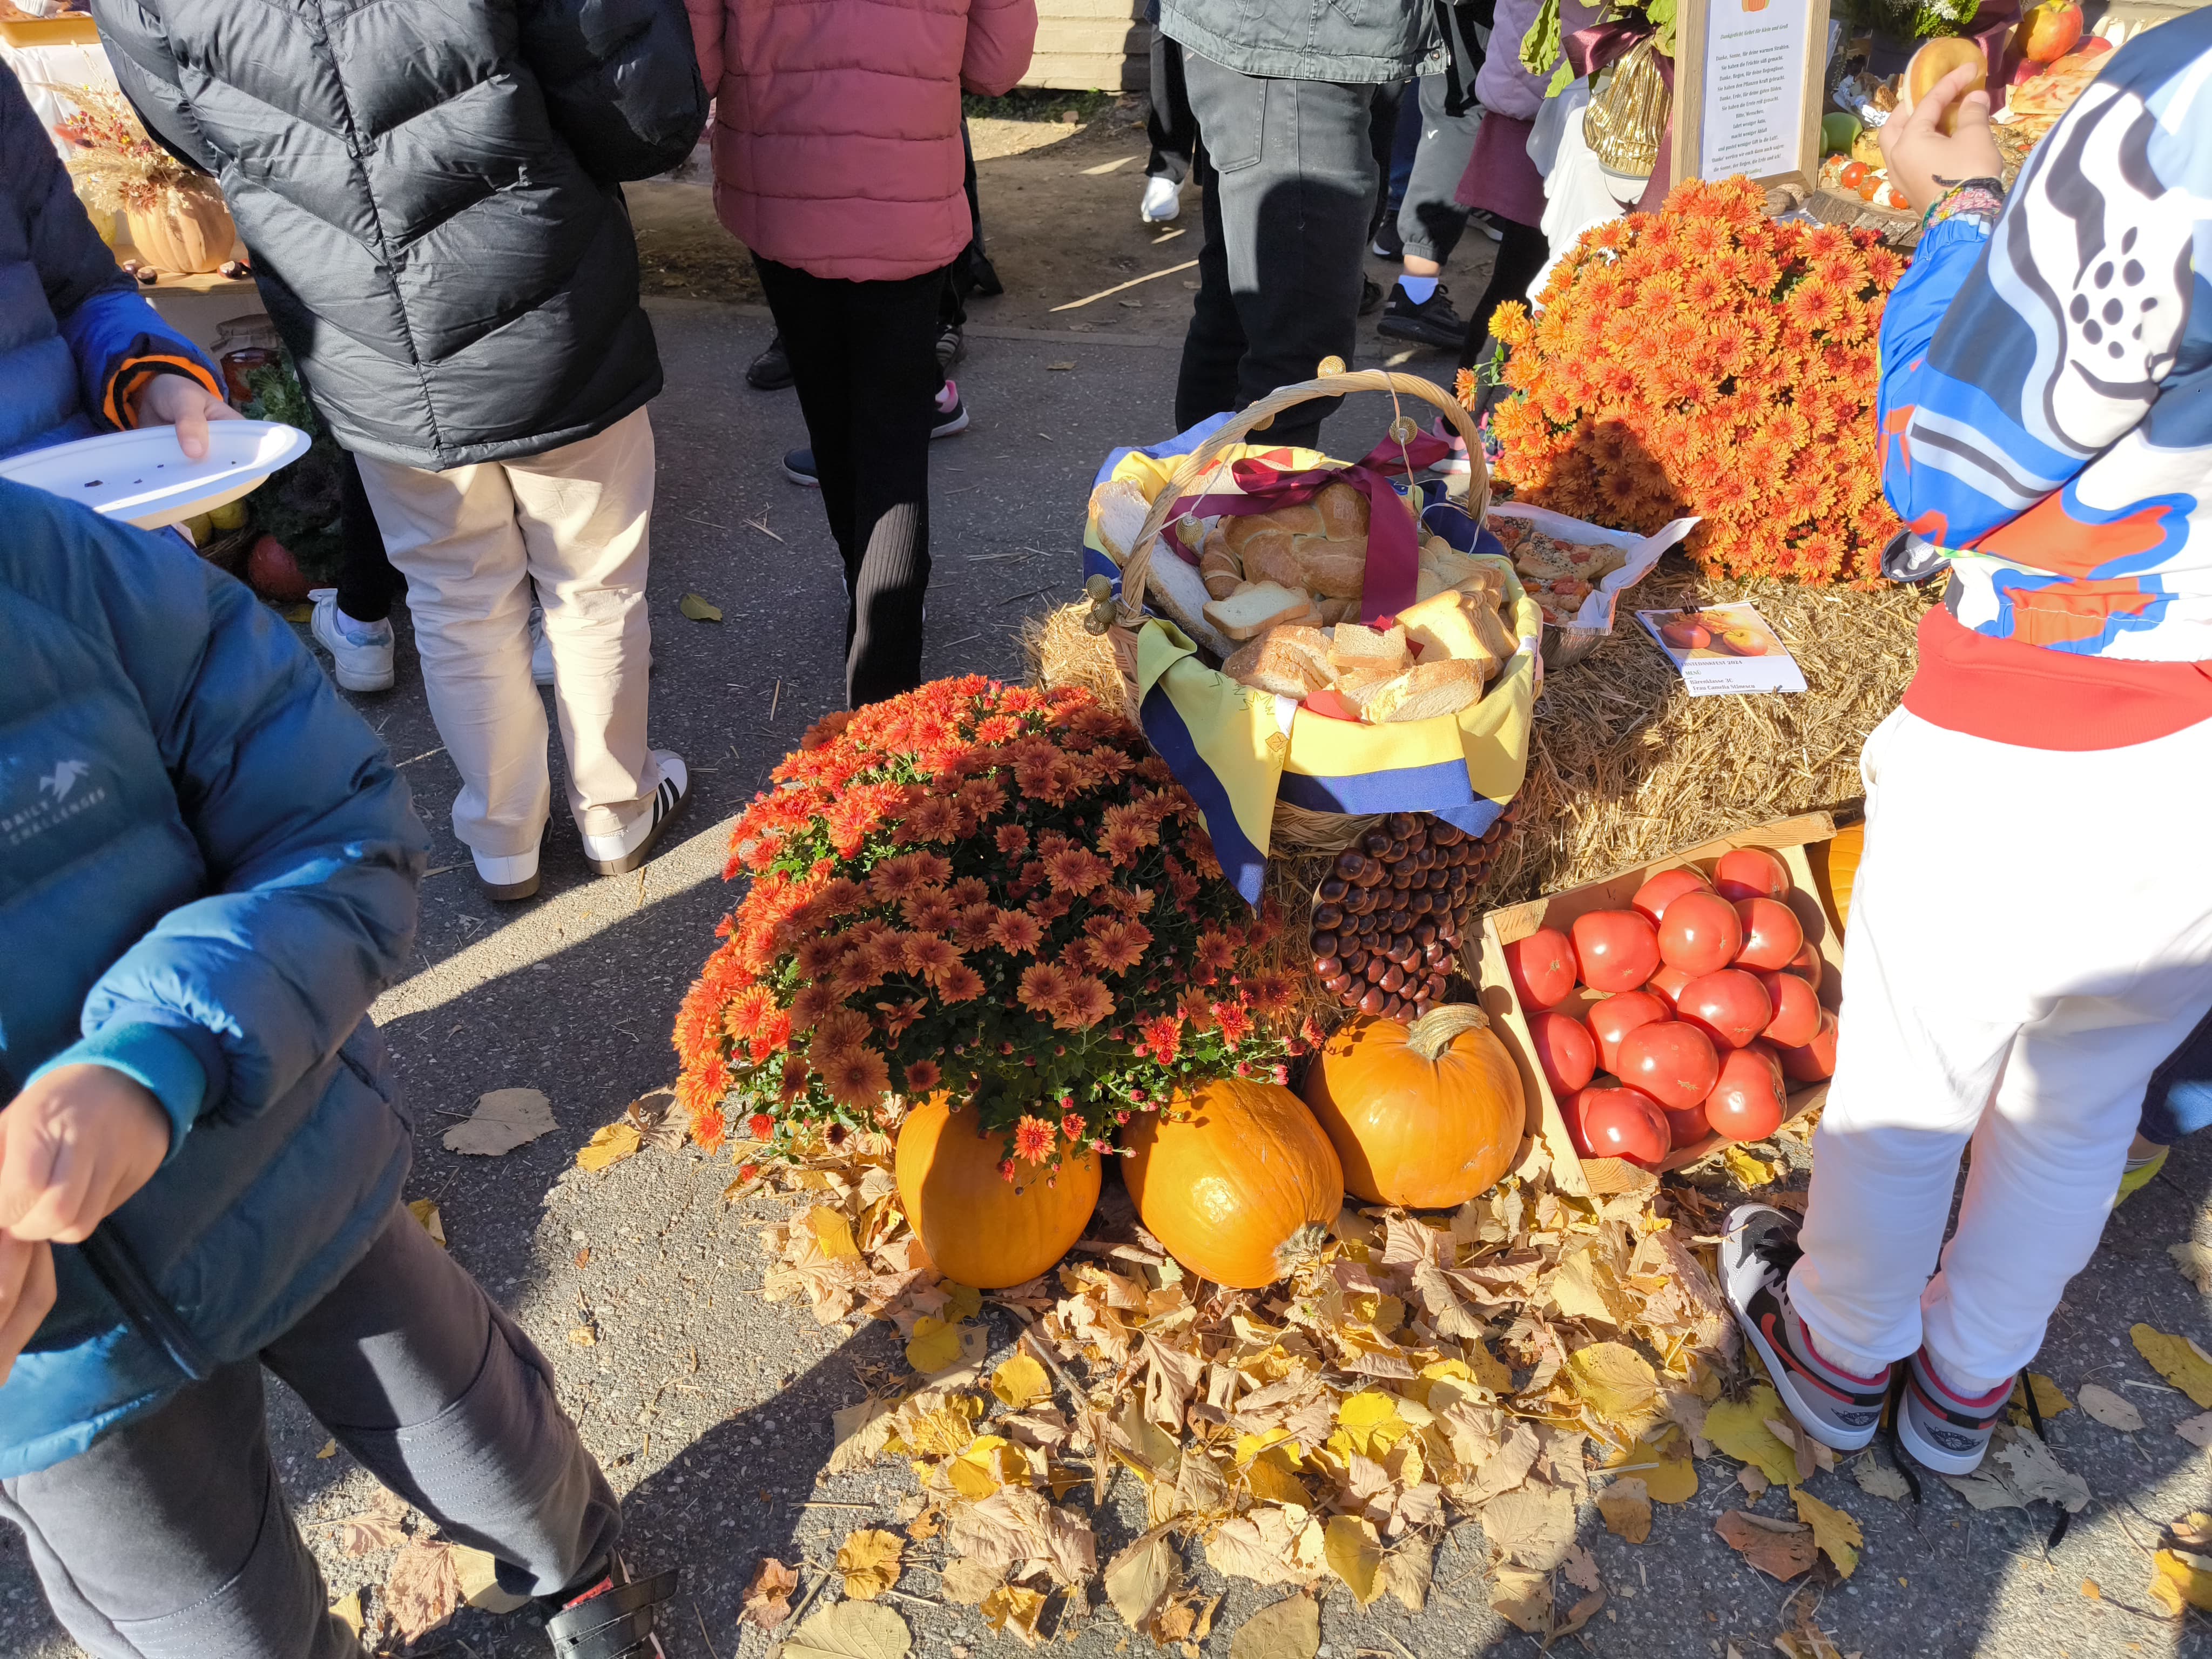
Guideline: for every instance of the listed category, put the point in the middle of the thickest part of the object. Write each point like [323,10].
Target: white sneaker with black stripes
[624,851]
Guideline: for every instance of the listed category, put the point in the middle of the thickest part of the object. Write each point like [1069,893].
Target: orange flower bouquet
[1707,359]
[988,890]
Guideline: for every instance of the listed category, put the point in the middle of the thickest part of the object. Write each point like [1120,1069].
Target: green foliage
[299,505]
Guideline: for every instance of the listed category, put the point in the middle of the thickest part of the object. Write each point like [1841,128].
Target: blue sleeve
[2011,359]
[313,849]
[118,340]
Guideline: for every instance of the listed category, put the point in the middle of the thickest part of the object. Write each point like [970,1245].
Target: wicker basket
[1295,829]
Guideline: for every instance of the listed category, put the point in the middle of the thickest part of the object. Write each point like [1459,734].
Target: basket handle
[1333,381]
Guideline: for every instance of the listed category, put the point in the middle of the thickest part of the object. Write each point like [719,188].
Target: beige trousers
[470,541]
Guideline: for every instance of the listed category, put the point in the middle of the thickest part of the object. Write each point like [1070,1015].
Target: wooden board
[1789,838]
[1086,45]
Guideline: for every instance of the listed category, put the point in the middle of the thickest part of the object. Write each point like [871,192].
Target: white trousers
[2030,934]
[470,541]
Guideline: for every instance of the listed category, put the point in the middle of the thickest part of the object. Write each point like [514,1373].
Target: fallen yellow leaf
[1015,1611]
[869,1559]
[424,1211]
[1739,1428]
[2180,1579]
[699,610]
[329,1449]
[934,1347]
[833,1234]
[962,1300]
[1834,1531]
[1618,1384]
[1627,1506]
[611,1145]
[2177,1359]
[1354,1554]
[1020,1383]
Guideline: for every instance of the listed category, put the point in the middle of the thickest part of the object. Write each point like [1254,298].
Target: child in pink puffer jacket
[838,163]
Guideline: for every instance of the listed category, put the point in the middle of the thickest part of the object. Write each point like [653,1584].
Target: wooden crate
[1085,46]
[1792,839]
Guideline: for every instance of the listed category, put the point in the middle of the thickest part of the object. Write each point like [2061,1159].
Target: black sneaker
[1947,1431]
[1480,219]
[798,467]
[948,416]
[611,1619]
[1388,243]
[1431,322]
[1840,1411]
[1370,295]
[771,370]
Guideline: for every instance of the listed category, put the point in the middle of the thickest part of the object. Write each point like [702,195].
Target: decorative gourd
[979,1227]
[1239,1183]
[1842,868]
[1425,1116]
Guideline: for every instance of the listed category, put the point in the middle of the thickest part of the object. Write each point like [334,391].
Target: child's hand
[26,1295]
[1924,162]
[174,400]
[73,1146]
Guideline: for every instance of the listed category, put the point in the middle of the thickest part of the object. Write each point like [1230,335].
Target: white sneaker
[622,852]
[505,879]
[361,652]
[540,650]
[1163,201]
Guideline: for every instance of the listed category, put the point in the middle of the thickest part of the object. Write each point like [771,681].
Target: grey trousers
[1430,219]
[171,1538]
[1289,175]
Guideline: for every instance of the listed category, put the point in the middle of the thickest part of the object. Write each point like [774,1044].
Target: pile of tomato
[1708,1011]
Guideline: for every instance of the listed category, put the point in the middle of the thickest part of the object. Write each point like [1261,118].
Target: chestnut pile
[1386,920]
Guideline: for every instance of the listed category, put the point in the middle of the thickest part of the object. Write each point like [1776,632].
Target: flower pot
[188,228]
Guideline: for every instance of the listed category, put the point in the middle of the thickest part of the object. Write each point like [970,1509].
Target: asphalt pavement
[711,1408]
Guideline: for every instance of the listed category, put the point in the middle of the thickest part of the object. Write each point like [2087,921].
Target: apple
[2047,33]
[1743,643]
[2024,71]
[1685,636]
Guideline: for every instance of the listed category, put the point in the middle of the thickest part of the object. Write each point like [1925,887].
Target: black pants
[863,356]
[1290,179]
[1521,252]
[367,582]
[1170,126]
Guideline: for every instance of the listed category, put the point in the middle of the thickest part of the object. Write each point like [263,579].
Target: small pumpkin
[1840,868]
[1236,1180]
[980,1227]
[1425,1116]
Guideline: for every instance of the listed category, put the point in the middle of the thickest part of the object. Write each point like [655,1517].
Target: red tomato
[1542,966]
[1615,950]
[1808,966]
[1663,889]
[1672,1062]
[1815,1060]
[1747,1101]
[1898,201]
[1619,1123]
[1796,1010]
[1686,1128]
[1667,984]
[1750,872]
[1731,1007]
[1616,1017]
[1566,1051]
[1853,172]
[1701,933]
[1772,935]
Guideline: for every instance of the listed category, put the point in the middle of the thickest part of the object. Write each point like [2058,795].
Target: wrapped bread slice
[1256,607]
[1355,646]
[1431,689]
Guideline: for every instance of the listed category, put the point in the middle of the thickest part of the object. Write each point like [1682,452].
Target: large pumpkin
[980,1227]
[1425,1115]
[1237,1184]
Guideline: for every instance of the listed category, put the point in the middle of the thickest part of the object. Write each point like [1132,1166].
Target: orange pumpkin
[1425,1115]
[1838,870]
[979,1227]
[1238,1184]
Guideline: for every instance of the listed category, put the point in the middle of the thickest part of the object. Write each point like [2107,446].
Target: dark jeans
[1521,252]
[367,582]
[1171,127]
[171,1539]
[1289,174]
[864,355]
[2179,1101]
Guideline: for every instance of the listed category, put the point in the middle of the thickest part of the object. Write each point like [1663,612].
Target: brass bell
[1329,365]
[1404,429]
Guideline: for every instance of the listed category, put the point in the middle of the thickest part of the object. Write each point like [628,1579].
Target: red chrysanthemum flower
[760,1126]
[1163,1038]
[959,984]
[1032,1140]
[1012,840]
[858,1077]
[922,1076]
[1074,1127]
[1016,933]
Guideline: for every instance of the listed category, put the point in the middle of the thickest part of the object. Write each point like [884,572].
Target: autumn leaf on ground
[1020,1383]
[1016,1611]
[2195,1261]
[2193,1531]
[1355,1555]
[869,1559]
[1408,1570]
[768,1598]
[1807,1641]
[698,609]
[1533,1527]
[480,1585]
[2179,1580]
[851,1630]
[504,1118]
[426,1211]
[2177,1359]
[2112,1410]
[330,1448]
[365,1534]
[1754,1483]
[423,1587]
[1780,1549]
[1289,1629]
[1669,1477]
[2197,1431]
[1739,1428]
[1880,1480]
[2050,1398]
[1141,1577]
[937,1347]
[349,1611]
[1835,1532]
[1522,1598]
[610,1146]
[1618,1384]
[1627,1506]
[968,1581]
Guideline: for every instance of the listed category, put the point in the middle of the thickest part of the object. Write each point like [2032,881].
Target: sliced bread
[1256,607]
[1118,508]
[1445,632]
[1444,687]
[1354,644]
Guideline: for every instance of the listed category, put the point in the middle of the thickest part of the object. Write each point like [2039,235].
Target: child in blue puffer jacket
[208,872]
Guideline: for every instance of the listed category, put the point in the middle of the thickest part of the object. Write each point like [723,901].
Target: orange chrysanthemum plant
[1707,359]
[988,890]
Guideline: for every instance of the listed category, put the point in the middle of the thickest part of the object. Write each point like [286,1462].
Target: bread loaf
[1217,567]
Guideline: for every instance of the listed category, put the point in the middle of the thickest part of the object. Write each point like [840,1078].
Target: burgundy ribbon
[1393,557]
[1589,50]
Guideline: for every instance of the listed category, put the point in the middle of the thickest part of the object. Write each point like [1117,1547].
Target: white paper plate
[143,477]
